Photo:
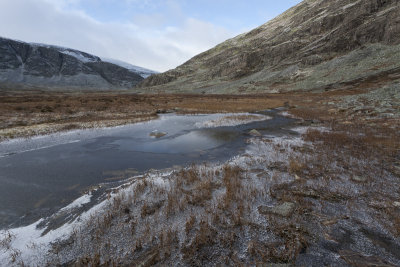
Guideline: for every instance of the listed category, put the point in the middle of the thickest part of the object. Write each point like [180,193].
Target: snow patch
[139,70]
[79,56]
[77,203]
[31,246]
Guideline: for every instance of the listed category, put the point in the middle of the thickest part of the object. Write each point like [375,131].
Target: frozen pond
[38,176]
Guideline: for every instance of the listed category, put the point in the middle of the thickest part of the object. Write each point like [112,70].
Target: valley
[278,147]
[300,196]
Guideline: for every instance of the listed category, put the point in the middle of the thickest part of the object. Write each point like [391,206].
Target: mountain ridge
[33,65]
[306,47]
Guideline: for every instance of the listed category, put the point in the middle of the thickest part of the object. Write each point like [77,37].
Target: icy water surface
[39,176]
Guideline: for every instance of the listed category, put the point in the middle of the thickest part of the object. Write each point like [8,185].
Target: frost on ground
[317,199]
[232,120]
[30,244]
[78,202]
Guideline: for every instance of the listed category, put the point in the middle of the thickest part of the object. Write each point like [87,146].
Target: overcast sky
[156,34]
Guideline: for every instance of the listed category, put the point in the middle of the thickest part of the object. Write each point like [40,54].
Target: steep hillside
[24,65]
[136,69]
[318,44]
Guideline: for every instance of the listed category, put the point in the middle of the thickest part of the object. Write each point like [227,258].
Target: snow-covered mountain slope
[31,65]
[139,70]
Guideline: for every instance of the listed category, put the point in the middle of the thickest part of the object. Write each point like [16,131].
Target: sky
[155,34]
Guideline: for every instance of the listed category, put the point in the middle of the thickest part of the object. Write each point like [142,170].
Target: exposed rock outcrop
[316,44]
[24,65]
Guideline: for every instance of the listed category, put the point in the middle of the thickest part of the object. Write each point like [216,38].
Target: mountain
[28,65]
[316,45]
[136,69]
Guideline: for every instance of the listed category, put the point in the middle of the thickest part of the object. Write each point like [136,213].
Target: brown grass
[71,110]
[208,215]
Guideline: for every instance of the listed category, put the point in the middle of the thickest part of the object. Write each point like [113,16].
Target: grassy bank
[328,195]
[24,114]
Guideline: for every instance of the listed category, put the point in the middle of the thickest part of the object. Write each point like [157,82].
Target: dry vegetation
[33,113]
[330,197]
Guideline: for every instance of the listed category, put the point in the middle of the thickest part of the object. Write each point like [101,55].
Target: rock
[300,49]
[347,122]
[262,174]
[330,222]
[254,132]
[311,193]
[354,258]
[285,209]
[157,134]
[28,65]
[359,179]
[396,204]
[377,204]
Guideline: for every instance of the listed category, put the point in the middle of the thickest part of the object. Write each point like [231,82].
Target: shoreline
[25,114]
[294,200]
[172,216]
[24,132]
[42,239]
[40,144]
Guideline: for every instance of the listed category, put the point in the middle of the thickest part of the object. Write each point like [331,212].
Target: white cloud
[61,23]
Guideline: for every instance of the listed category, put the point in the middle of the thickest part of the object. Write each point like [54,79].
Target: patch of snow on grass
[29,246]
[78,202]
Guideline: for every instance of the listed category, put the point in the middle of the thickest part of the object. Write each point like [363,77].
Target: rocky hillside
[27,66]
[316,45]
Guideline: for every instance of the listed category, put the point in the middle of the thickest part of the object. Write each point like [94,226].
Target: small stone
[311,193]
[157,134]
[285,209]
[396,204]
[161,111]
[360,179]
[330,222]
[377,204]
[254,132]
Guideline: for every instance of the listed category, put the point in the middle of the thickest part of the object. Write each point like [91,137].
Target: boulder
[359,179]
[157,134]
[254,132]
[285,209]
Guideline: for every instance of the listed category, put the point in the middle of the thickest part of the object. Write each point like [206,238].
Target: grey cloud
[48,21]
